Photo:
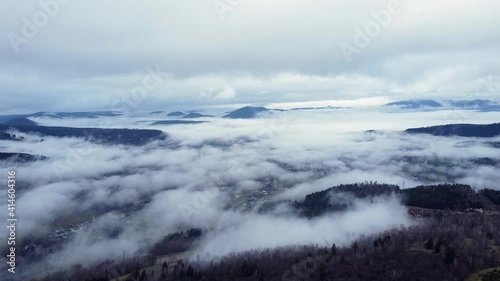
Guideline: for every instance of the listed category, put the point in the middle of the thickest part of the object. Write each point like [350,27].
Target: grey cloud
[90,51]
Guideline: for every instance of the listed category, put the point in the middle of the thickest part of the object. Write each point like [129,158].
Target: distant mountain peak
[21,121]
[78,114]
[157,112]
[476,104]
[472,103]
[195,115]
[176,114]
[416,104]
[246,112]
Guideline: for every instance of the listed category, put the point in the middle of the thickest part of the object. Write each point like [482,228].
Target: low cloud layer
[216,175]
[258,232]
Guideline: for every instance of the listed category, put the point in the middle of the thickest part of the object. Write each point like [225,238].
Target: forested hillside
[340,198]
[107,136]
[456,197]
[442,248]
[462,130]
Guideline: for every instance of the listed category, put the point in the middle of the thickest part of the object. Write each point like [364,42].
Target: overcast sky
[94,54]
